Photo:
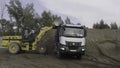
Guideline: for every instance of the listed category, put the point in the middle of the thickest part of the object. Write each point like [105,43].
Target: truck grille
[73,45]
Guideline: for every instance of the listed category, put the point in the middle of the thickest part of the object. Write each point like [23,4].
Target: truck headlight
[83,49]
[62,48]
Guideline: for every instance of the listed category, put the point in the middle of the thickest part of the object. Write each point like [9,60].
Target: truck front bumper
[66,49]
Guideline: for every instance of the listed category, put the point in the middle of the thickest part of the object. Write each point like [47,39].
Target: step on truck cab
[70,39]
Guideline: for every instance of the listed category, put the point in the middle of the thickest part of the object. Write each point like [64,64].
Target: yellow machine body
[7,40]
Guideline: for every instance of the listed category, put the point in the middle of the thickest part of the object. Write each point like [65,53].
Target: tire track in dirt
[91,57]
[102,53]
[88,62]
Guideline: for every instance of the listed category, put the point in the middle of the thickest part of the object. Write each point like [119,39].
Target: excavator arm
[42,31]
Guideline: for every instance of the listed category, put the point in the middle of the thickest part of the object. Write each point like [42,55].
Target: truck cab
[70,39]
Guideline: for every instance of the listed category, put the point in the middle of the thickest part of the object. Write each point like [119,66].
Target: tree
[28,16]
[15,11]
[3,24]
[106,26]
[7,27]
[37,20]
[101,25]
[67,21]
[46,19]
[25,17]
[114,25]
[2,8]
[96,26]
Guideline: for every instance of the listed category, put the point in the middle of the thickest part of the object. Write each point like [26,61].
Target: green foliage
[101,25]
[15,10]
[6,27]
[29,17]
[114,26]
[46,19]
[96,26]
[24,17]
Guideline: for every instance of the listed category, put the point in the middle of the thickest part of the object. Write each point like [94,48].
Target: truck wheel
[78,56]
[14,48]
[41,49]
[83,53]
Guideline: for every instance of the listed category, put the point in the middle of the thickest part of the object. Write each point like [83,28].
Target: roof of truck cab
[72,25]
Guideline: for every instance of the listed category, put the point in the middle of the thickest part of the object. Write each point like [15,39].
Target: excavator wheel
[14,48]
[41,49]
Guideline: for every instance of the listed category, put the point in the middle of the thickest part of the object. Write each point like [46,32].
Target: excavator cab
[28,35]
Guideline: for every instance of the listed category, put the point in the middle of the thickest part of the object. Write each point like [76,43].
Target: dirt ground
[102,51]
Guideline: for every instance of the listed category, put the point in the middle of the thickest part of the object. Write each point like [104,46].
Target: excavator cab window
[25,35]
[28,35]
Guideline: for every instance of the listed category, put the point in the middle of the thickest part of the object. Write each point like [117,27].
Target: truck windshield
[73,32]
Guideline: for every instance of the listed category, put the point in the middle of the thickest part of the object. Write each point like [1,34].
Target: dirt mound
[110,49]
[102,35]
[103,46]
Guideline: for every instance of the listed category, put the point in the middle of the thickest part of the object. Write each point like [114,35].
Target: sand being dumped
[48,40]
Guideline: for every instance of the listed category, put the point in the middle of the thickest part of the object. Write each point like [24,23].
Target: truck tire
[83,53]
[41,49]
[14,48]
[78,56]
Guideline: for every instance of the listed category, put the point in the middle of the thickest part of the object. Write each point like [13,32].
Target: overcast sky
[87,11]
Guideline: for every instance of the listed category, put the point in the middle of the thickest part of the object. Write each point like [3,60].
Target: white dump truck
[70,39]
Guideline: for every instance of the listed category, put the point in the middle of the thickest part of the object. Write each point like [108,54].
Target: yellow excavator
[15,44]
